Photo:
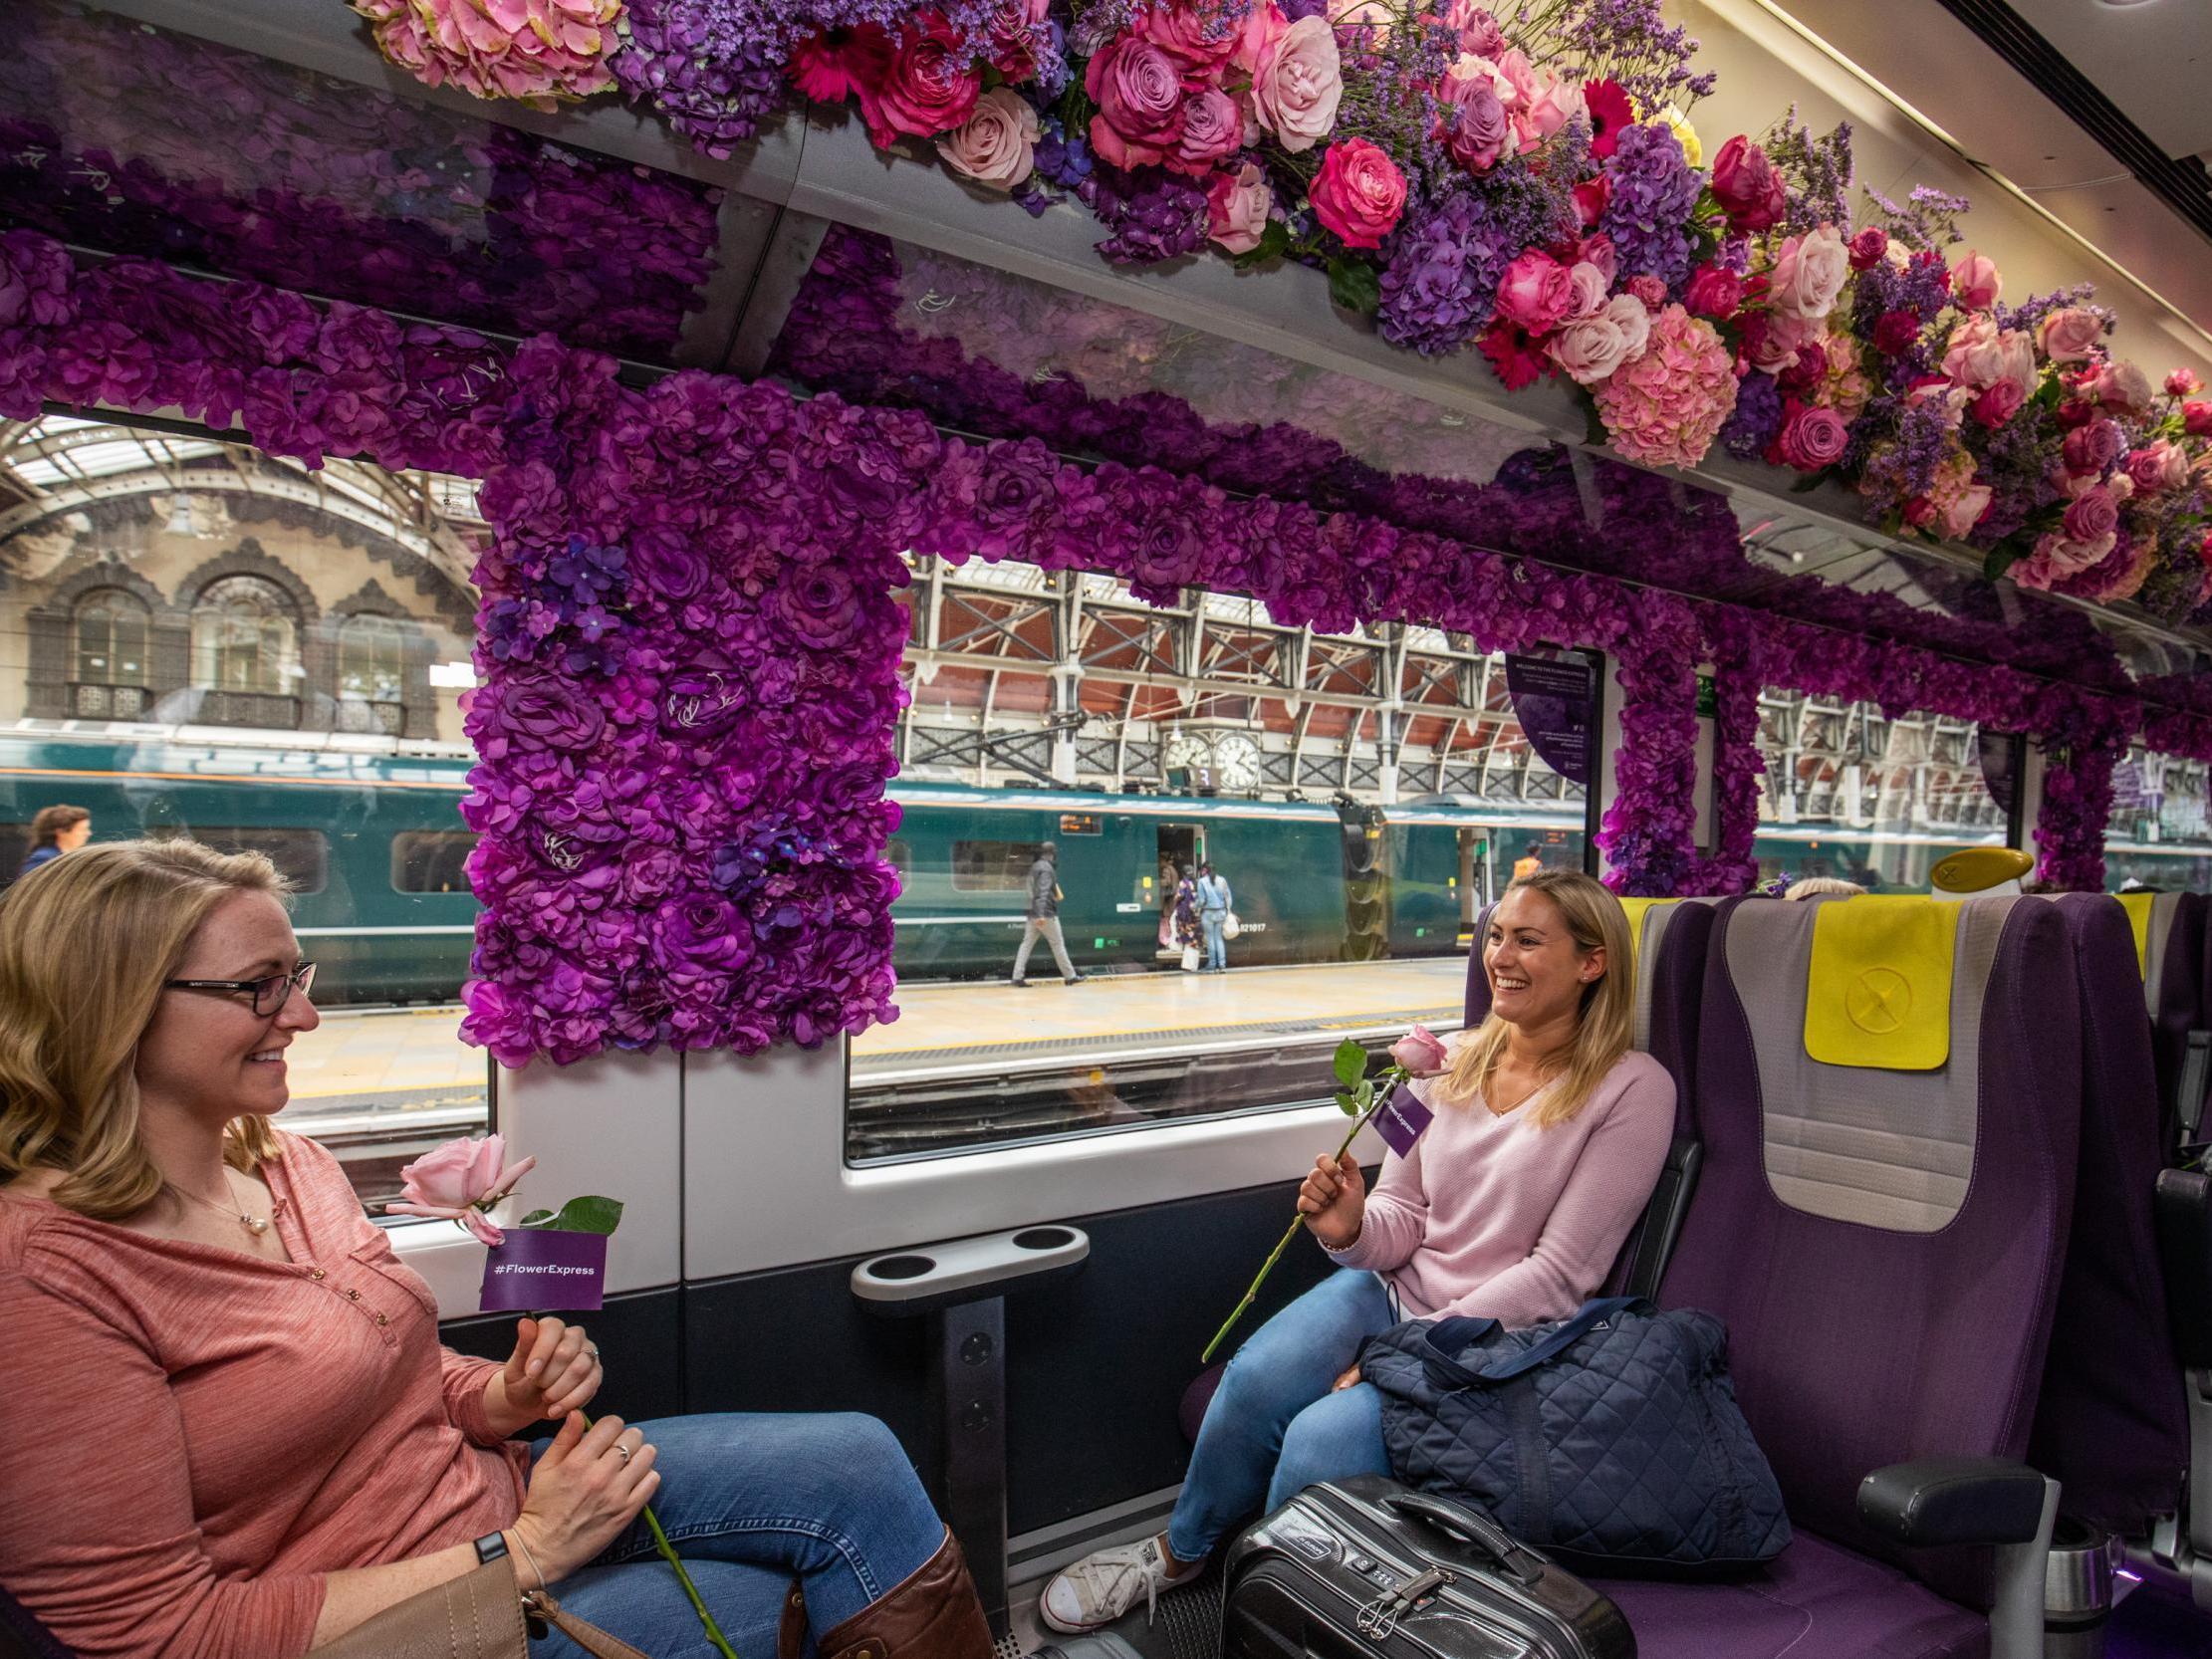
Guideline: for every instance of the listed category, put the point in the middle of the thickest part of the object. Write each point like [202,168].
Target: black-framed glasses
[270,994]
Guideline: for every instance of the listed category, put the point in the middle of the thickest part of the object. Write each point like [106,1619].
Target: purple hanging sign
[537,1268]
[1400,1122]
[1552,700]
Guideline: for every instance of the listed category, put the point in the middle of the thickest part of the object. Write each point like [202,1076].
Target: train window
[992,866]
[1852,793]
[302,857]
[899,855]
[247,730]
[2158,834]
[431,860]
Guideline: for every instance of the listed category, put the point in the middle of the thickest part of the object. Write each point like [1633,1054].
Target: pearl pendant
[255,1225]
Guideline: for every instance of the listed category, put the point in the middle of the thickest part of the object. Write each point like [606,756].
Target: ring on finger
[623,1452]
[593,1352]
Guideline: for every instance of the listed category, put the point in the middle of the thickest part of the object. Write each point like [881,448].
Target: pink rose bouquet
[997,148]
[1359,193]
[1298,84]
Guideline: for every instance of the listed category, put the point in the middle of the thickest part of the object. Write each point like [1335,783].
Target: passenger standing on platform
[1044,917]
[1547,1137]
[1213,915]
[1189,938]
[231,1428]
[54,832]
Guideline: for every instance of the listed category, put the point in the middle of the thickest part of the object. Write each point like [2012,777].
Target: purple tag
[1400,1122]
[541,1269]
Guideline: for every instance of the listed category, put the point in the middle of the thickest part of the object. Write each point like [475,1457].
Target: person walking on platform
[1213,915]
[54,832]
[1044,917]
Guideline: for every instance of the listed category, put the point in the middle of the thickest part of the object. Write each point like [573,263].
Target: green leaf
[1810,481]
[536,1218]
[1997,560]
[589,1214]
[1350,1062]
[1274,242]
[1355,286]
[1349,1106]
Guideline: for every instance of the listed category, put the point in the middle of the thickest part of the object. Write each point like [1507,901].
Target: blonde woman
[232,1430]
[1550,1133]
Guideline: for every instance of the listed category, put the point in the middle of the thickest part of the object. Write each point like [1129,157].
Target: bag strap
[1449,1337]
[590,1637]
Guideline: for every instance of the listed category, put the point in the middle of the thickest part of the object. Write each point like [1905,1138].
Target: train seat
[2111,1423]
[2177,993]
[1883,1232]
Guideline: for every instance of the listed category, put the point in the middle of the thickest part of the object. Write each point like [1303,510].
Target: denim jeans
[1273,1427]
[752,1501]
[1211,920]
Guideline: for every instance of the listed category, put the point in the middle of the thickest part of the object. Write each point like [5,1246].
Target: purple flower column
[689,653]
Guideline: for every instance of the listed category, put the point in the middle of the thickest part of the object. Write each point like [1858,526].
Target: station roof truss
[1848,764]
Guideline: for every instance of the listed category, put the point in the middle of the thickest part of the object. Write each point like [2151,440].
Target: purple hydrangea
[713,66]
[1153,214]
[1757,417]
[1653,191]
[1442,278]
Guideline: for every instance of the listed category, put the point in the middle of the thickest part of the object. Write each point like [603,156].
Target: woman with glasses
[231,1428]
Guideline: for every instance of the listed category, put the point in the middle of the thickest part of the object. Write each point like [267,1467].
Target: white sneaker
[1104,1586]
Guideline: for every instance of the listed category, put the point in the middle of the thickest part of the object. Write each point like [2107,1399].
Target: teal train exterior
[374,844]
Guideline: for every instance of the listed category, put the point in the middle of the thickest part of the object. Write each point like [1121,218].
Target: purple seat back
[1671,980]
[1897,1304]
[2111,1424]
[2177,989]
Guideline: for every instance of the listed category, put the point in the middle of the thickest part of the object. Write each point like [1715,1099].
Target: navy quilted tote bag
[1612,1440]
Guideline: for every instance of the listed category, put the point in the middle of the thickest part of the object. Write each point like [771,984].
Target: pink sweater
[194,1436]
[1496,1218]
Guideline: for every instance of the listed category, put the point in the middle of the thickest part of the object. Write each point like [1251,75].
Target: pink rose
[998,147]
[1814,439]
[1554,104]
[2090,448]
[1998,404]
[1520,77]
[2059,555]
[1966,511]
[1180,31]
[1588,348]
[1419,1051]
[1298,84]
[2183,382]
[1648,289]
[1808,273]
[1141,102]
[2069,336]
[1590,287]
[1599,251]
[1981,355]
[1592,197]
[1868,248]
[1237,209]
[1536,292]
[1773,342]
[2122,388]
[1213,128]
[1971,335]
[1747,187]
[2092,515]
[2159,466]
[1715,292]
[2196,419]
[1975,283]
[1264,27]
[1479,131]
[458,1182]
[1359,193]
[927,89]
[1478,30]
[1895,333]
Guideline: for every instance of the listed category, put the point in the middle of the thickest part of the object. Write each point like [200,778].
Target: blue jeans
[1211,920]
[1274,1428]
[752,1501]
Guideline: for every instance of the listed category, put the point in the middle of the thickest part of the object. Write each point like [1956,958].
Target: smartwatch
[490,1548]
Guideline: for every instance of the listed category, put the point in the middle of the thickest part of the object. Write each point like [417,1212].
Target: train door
[1181,846]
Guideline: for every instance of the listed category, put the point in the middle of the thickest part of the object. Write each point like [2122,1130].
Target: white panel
[767,1184]
[612,1125]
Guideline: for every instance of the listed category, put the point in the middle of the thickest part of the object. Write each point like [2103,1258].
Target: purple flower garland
[689,648]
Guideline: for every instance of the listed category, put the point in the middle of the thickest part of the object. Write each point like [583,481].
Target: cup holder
[1043,1237]
[902,1267]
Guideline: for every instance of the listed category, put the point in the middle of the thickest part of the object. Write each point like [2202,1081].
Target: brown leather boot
[932,1614]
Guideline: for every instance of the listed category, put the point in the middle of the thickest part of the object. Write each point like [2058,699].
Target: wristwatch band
[490,1548]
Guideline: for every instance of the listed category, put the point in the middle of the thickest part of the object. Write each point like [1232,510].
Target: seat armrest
[1935,1502]
[2182,1209]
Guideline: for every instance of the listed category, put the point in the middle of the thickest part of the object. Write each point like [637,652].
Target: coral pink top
[194,1436]
[1497,1218]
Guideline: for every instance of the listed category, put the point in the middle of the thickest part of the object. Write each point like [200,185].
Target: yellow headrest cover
[2137,906]
[1638,909]
[1878,994]
[1980,867]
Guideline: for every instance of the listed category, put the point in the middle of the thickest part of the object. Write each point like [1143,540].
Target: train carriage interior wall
[878,630]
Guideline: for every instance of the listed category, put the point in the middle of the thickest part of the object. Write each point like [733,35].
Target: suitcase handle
[1473,1528]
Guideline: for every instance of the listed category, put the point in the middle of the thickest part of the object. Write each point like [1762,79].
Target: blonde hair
[84,950]
[1823,887]
[1605,1023]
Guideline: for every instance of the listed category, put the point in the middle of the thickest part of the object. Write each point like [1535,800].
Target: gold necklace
[256,1225]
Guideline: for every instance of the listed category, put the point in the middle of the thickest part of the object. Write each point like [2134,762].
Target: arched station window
[370,650]
[108,656]
[245,637]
